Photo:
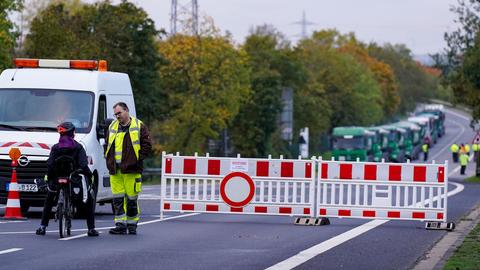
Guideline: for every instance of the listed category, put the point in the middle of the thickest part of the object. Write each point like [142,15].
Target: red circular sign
[239,181]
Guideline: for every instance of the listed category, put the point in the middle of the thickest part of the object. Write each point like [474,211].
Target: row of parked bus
[395,142]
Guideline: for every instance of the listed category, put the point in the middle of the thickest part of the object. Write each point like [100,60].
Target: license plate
[25,187]
[341,158]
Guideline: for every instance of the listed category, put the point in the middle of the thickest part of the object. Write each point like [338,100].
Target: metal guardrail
[149,173]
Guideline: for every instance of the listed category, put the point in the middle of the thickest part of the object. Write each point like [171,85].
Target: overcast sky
[420,24]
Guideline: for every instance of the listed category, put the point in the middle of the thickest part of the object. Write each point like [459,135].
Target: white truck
[35,97]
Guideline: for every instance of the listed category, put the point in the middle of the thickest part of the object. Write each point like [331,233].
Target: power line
[304,23]
[184,13]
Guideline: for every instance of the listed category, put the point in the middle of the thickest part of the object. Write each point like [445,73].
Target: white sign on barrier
[239,166]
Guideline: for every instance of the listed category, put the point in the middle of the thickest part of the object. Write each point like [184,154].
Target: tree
[350,89]
[463,52]
[415,85]
[382,72]
[7,31]
[254,128]
[205,81]
[122,34]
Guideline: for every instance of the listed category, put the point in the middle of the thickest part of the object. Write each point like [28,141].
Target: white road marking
[460,115]
[12,221]
[318,249]
[149,197]
[139,224]
[10,250]
[73,237]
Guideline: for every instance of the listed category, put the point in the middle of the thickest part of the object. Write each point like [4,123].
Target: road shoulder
[443,249]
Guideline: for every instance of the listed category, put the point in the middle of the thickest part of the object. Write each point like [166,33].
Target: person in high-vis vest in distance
[455,149]
[128,145]
[425,151]
[467,149]
[463,162]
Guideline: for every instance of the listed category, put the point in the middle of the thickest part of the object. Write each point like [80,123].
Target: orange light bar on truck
[28,63]
[67,64]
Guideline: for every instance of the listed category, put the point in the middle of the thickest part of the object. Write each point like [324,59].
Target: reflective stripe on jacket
[134,131]
[136,146]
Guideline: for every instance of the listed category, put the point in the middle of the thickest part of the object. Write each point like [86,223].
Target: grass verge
[467,256]
[473,179]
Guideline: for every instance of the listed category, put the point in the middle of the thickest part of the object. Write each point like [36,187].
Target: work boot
[119,229]
[132,228]
[92,232]
[41,231]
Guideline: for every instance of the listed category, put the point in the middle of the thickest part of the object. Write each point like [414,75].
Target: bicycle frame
[65,209]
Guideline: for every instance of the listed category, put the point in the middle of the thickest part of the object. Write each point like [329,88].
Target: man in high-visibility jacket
[455,148]
[425,151]
[463,162]
[467,149]
[128,145]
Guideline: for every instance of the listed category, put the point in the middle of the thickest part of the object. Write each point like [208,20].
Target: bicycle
[65,209]
[67,181]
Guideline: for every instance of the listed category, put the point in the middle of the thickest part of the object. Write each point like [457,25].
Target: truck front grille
[35,169]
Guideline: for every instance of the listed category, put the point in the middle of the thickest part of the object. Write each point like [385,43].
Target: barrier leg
[437,225]
[309,221]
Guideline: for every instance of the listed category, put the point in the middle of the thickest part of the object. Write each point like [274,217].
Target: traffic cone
[13,210]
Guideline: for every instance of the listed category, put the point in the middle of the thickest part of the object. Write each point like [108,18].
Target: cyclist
[67,146]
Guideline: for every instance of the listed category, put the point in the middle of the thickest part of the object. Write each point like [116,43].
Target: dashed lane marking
[10,250]
[12,221]
[139,224]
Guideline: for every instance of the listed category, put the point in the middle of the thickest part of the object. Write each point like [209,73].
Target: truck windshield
[353,143]
[44,109]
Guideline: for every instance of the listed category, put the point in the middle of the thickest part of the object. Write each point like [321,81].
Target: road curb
[445,247]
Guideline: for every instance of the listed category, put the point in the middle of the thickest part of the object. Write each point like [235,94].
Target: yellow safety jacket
[115,135]
[463,159]
[425,147]
[454,148]
[475,147]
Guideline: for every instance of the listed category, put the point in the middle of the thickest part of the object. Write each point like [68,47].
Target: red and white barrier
[237,185]
[382,190]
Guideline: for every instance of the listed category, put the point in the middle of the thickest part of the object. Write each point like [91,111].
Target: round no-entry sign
[237,189]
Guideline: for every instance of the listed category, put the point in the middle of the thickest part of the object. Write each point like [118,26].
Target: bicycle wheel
[68,214]
[62,215]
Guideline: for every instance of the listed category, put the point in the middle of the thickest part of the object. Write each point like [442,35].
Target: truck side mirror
[102,128]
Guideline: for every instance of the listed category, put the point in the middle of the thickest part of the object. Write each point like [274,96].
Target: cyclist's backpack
[64,166]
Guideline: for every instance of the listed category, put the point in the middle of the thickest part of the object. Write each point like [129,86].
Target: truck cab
[380,142]
[436,124]
[396,143]
[39,94]
[425,128]
[438,110]
[412,145]
[352,143]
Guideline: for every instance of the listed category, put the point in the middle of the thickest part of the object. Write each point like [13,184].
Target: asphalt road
[209,241]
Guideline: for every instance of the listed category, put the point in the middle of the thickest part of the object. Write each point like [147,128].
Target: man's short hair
[121,104]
